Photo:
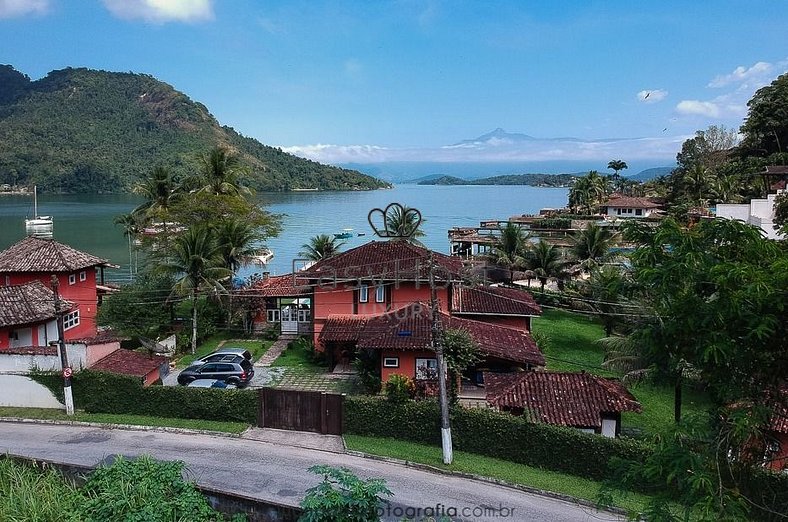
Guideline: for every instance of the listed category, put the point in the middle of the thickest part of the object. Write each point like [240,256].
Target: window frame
[380,294]
[363,293]
[83,276]
[273,315]
[71,320]
[72,279]
[395,359]
[418,366]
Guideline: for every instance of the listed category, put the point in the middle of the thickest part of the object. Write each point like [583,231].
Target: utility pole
[437,345]
[67,395]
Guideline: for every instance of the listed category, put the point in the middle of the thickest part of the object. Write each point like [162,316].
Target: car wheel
[186,381]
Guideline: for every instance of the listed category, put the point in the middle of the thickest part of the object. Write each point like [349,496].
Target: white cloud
[743,74]
[14,8]
[701,108]
[160,11]
[652,95]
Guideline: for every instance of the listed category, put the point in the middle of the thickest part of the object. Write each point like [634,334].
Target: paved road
[278,473]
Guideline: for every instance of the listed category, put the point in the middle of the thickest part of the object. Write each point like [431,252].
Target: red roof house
[127,362]
[27,315]
[629,207]
[37,259]
[579,400]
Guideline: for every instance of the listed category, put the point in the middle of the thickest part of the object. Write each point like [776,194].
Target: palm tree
[404,222]
[581,195]
[696,184]
[237,242]
[220,173]
[159,191]
[616,165]
[196,263]
[545,260]
[510,246]
[727,189]
[131,227]
[592,244]
[321,246]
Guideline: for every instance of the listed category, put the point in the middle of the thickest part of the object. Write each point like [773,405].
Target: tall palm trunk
[194,321]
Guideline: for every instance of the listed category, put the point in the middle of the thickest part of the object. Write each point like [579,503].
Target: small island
[534,180]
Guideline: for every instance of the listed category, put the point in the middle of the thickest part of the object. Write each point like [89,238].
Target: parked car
[224,354]
[210,383]
[238,372]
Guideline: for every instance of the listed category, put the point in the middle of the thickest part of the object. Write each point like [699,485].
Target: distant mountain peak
[498,134]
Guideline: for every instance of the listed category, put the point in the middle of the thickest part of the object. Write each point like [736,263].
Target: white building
[625,207]
[758,212]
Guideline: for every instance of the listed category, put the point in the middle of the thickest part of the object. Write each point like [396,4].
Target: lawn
[570,346]
[489,467]
[256,347]
[300,358]
[135,420]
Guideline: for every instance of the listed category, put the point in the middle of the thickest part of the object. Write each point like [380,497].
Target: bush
[102,392]
[343,496]
[399,389]
[493,434]
[561,223]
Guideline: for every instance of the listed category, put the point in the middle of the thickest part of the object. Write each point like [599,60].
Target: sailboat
[39,226]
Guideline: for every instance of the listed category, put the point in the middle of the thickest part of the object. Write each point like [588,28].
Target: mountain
[82,130]
[652,173]
[536,180]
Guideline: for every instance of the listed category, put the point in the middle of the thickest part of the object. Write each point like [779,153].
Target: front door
[289,319]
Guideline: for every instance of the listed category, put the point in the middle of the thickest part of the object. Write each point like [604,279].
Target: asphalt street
[279,473]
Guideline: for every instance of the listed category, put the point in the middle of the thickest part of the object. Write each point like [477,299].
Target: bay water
[85,221]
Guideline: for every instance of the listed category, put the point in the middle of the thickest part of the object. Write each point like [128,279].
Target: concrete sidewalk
[298,439]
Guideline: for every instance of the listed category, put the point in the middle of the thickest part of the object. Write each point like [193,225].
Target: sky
[405,80]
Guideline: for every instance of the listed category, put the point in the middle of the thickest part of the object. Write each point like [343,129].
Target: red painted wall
[407,363]
[81,293]
[5,335]
[780,461]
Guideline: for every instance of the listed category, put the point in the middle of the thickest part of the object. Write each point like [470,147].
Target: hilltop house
[28,316]
[579,400]
[37,260]
[374,297]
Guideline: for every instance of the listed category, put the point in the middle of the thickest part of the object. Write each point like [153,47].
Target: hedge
[102,392]
[499,435]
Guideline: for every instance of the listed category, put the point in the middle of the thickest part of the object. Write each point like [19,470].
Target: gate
[297,410]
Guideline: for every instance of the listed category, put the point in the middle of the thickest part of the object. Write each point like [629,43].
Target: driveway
[279,473]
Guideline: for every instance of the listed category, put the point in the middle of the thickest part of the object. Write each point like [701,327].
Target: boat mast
[35,202]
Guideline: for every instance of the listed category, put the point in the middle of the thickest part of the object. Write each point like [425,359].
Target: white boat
[39,226]
[263,257]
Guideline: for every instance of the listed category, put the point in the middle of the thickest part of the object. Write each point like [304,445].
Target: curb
[488,480]
[128,427]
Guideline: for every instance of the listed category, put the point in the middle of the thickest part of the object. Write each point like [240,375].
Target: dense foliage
[343,497]
[81,130]
[536,180]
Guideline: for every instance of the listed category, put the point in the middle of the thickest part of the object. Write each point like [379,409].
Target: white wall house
[624,208]
[758,212]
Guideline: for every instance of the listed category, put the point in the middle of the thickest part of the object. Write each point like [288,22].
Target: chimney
[266,275]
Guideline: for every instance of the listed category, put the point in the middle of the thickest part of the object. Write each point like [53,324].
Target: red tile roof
[566,399]
[34,254]
[493,300]
[29,303]
[385,260]
[626,202]
[281,286]
[30,350]
[104,337]
[128,362]
[409,328]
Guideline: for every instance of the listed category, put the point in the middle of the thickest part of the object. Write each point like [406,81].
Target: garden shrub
[399,389]
[561,223]
[342,496]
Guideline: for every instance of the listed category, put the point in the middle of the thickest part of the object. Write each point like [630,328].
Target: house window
[70,320]
[391,362]
[639,212]
[72,279]
[272,316]
[304,316]
[426,368]
[380,294]
[618,211]
[83,276]
[363,294]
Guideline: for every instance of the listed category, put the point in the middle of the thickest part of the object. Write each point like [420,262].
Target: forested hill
[536,180]
[81,130]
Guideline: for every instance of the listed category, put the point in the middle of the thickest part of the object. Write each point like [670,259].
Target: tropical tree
[600,186]
[404,222]
[461,352]
[131,228]
[697,184]
[509,248]
[159,190]
[726,188]
[615,166]
[220,174]
[766,127]
[321,246]
[592,244]
[581,195]
[545,260]
[238,241]
[194,259]
[604,290]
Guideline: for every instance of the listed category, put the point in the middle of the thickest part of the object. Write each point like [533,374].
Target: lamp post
[437,345]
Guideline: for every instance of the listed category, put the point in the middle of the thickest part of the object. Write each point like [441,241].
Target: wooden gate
[300,410]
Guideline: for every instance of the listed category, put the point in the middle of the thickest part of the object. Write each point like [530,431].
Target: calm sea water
[85,221]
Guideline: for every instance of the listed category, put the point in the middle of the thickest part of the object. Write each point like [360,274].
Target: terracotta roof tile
[626,202]
[128,362]
[566,399]
[409,328]
[493,300]
[385,260]
[105,337]
[30,350]
[34,254]
[29,303]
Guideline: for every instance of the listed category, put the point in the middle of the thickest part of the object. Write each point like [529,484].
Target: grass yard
[30,492]
[135,420]
[489,467]
[256,347]
[299,358]
[571,347]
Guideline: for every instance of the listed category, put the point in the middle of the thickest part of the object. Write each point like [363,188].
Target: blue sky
[375,80]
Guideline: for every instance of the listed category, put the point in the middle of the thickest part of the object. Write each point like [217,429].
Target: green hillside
[537,180]
[81,130]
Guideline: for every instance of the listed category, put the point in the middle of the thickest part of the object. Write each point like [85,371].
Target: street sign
[67,372]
